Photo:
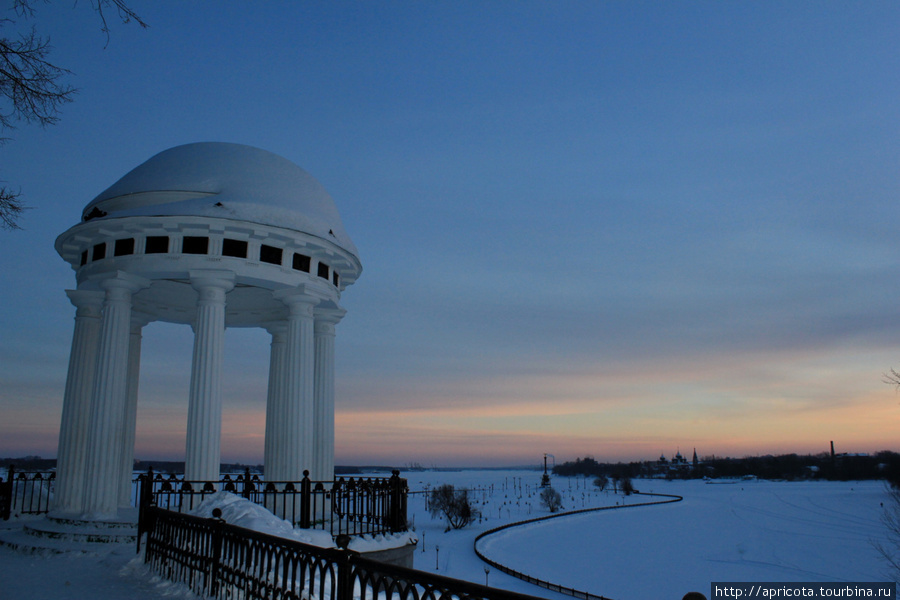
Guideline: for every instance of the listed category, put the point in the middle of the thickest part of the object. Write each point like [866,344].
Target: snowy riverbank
[747,531]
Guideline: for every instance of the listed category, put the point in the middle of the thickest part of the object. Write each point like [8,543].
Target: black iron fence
[25,492]
[352,506]
[224,561]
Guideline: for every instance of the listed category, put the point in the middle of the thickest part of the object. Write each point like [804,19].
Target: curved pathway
[669,498]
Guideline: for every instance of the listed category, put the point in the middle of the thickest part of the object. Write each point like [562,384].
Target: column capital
[211,285]
[299,299]
[330,315]
[121,281]
[210,278]
[87,302]
[139,320]
[276,328]
[327,318]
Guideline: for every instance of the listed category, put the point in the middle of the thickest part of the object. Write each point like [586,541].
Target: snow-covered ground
[749,531]
[745,531]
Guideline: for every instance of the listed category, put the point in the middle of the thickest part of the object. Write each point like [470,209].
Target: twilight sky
[587,228]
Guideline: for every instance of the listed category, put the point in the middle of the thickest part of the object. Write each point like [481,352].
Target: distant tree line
[841,467]
[36,463]
[27,463]
[589,467]
[178,467]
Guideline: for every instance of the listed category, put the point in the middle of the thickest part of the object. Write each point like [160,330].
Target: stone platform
[57,534]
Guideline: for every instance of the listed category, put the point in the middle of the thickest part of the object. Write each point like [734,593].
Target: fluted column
[102,473]
[274,465]
[323,408]
[296,410]
[129,424]
[75,423]
[204,426]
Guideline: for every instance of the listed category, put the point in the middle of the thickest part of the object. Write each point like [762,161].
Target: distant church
[678,462]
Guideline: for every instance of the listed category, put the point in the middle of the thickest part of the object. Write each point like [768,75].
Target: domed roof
[226,181]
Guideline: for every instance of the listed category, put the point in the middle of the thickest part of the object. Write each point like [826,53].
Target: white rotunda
[210,235]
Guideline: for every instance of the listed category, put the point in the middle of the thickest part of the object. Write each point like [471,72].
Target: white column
[129,424]
[274,465]
[296,412]
[73,430]
[105,439]
[204,426]
[323,409]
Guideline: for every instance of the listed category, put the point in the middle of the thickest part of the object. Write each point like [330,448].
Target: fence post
[345,569]
[6,494]
[305,504]
[144,499]
[397,515]
[140,507]
[246,491]
[216,558]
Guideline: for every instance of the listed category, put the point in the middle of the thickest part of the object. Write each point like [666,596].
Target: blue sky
[605,228]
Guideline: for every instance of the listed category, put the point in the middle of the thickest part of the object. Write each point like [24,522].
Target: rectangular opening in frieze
[157,244]
[235,248]
[270,254]
[195,245]
[301,262]
[124,247]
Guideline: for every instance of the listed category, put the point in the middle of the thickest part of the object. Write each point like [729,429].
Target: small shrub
[551,499]
[453,505]
[601,482]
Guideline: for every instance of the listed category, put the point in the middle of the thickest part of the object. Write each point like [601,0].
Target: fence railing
[224,561]
[25,492]
[352,506]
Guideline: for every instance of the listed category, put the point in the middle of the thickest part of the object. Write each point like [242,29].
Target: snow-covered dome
[225,181]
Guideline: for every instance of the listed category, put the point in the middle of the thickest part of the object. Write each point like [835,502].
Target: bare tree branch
[29,84]
[126,15]
[23,8]
[11,208]
[31,87]
[892,378]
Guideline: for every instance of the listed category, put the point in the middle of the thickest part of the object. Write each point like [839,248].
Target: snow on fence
[224,561]
[354,506]
[553,587]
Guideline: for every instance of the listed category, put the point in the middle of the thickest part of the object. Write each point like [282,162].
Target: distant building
[678,464]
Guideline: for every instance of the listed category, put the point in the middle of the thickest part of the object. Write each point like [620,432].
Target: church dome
[224,181]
